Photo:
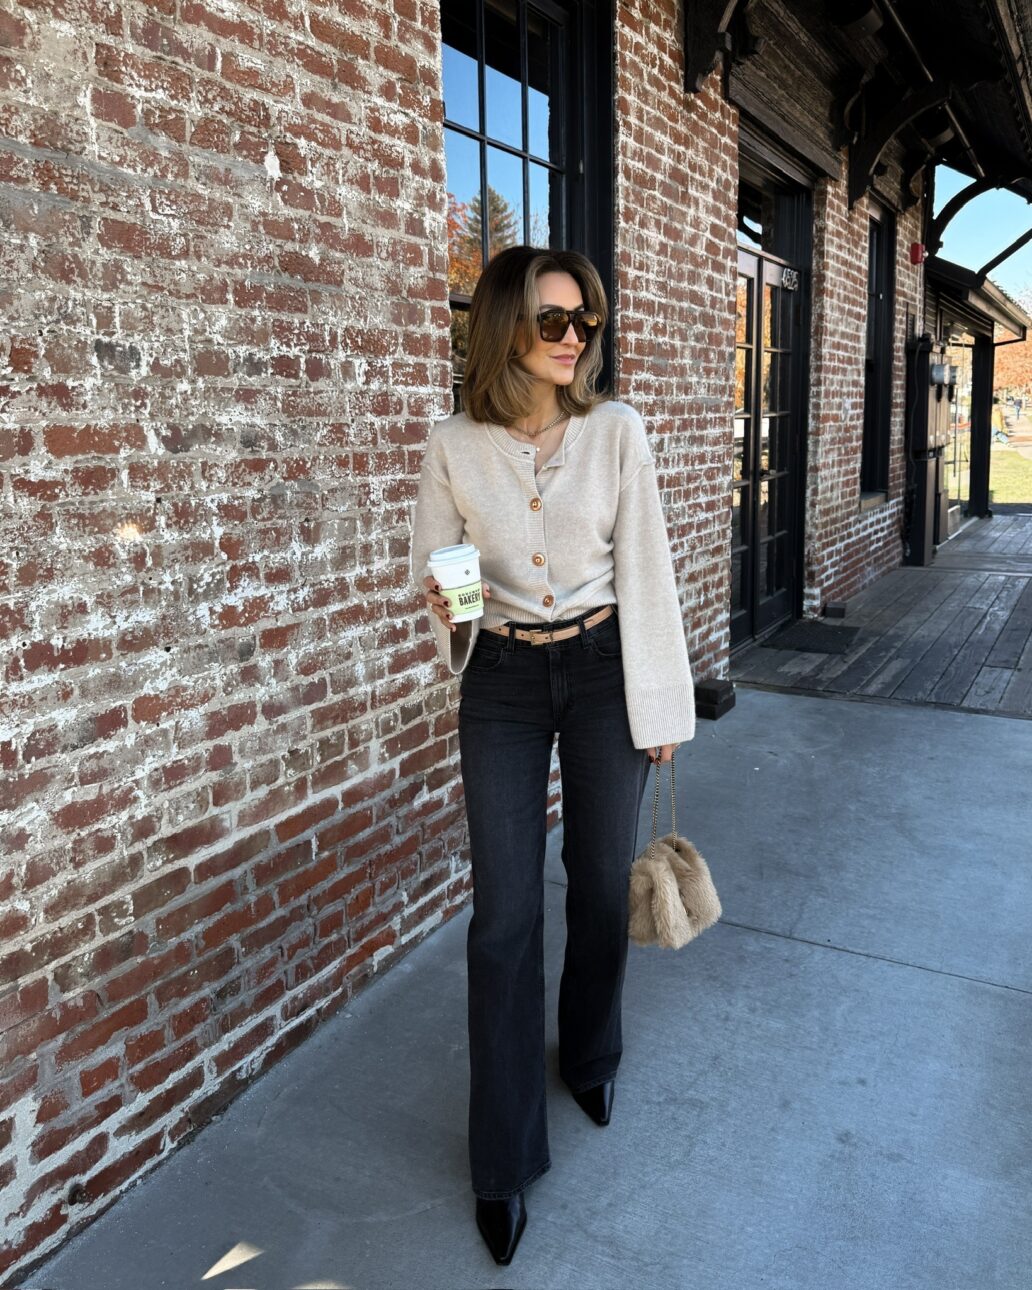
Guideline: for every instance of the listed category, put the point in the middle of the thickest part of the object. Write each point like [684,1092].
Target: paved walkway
[827,1091]
[1019,434]
[958,633]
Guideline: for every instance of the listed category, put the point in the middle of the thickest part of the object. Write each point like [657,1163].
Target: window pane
[769,333]
[741,383]
[873,289]
[741,428]
[460,343]
[502,93]
[744,306]
[765,518]
[779,443]
[737,538]
[504,200]
[776,384]
[772,566]
[543,230]
[543,54]
[769,383]
[459,35]
[750,216]
[465,257]
[736,583]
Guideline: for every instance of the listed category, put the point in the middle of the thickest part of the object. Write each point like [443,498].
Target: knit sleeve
[436,522]
[657,674]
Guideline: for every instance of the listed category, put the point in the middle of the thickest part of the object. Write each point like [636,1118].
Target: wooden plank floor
[958,633]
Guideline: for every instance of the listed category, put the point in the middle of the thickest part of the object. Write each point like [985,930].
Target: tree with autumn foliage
[465,228]
[1012,370]
[465,253]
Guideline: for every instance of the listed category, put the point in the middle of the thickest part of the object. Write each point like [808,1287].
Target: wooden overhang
[903,85]
[977,294]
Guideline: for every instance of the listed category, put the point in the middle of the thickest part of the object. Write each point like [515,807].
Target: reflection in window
[504,201]
[739,448]
[874,463]
[465,254]
[743,310]
[956,456]
[543,54]
[503,87]
[544,196]
[461,91]
[496,120]
[766,218]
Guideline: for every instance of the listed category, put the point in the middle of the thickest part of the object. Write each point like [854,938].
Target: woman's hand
[439,604]
[665,752]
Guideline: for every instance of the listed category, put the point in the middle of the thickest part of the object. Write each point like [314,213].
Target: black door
[765,519]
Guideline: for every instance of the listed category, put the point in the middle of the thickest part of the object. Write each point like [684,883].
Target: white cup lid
[445,554]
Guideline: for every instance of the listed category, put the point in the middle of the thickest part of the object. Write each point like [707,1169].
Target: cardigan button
[538,558]
[548,601]
[535,505]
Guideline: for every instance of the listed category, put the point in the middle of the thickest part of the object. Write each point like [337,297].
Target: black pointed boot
[501,1224]
[597,1102]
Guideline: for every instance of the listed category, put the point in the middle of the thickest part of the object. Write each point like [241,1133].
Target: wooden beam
[705,36]
[866,154]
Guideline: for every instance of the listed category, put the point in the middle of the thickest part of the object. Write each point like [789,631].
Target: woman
[582,635]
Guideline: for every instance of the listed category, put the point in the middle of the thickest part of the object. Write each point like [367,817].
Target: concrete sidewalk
[830,1089]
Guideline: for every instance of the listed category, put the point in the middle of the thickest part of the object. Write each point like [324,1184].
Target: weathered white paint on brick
[216,271]
[677,168]
[226,340]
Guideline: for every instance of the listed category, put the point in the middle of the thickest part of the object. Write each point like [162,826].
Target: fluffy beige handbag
[672,897]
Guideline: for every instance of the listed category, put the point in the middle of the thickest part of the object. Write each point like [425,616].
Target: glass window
[503,85]
[504,201]
[956,456]
[874,465]
[544,52]
[503,66]
[461,85]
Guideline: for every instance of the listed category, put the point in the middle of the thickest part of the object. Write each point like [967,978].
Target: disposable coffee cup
[457,569]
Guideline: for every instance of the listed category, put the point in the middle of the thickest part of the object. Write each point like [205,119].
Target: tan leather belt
[538,636]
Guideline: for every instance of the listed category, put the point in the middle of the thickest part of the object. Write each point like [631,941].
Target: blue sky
[983,228]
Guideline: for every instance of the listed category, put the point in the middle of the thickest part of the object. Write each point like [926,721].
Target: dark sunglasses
[555,323]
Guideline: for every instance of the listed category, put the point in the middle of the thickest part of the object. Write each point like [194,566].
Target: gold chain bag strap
[672,896]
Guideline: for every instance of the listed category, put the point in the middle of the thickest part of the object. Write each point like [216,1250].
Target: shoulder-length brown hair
[502,323]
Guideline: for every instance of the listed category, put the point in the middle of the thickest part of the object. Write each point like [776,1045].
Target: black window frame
[879,352]
[587,107]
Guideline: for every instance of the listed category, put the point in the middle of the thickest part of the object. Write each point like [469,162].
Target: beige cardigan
[598,524]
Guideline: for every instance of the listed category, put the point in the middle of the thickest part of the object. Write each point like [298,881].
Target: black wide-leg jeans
[515,696]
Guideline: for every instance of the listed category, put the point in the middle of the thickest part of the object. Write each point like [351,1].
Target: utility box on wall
[928,398]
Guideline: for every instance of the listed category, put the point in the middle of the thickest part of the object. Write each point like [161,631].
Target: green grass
[1010,475]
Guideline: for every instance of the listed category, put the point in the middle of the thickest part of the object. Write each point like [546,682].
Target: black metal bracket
[937,227]
[713,28]
[705,36]
[842,109]
[865,154]
[913,165]
[1005,254]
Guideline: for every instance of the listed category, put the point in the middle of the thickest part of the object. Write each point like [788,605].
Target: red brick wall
[227,795]
[677,175]
[230,784]
[846,548]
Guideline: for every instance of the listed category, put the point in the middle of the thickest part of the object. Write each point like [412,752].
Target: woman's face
[553,361]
